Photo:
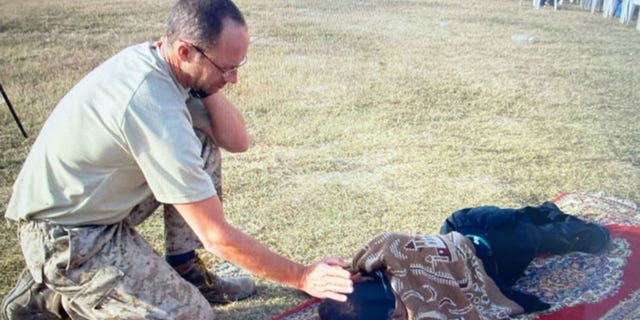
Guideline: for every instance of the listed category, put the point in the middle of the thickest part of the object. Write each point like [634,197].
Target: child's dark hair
[371,299]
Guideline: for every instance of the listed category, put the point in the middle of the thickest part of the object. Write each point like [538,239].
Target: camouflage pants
[110,271]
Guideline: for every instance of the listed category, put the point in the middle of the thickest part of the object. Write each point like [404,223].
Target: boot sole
[21,288]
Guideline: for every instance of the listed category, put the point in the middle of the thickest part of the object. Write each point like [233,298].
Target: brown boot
[31,300]
[215,289]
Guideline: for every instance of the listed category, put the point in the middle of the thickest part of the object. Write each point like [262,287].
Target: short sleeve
[160,134]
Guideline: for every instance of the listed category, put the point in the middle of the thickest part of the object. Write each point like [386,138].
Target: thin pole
[13,112]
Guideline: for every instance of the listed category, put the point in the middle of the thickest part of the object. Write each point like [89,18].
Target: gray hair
[201,21]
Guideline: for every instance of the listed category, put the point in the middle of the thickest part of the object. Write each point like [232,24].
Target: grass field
[367,115]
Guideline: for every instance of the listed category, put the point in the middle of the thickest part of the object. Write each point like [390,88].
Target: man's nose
[233,77]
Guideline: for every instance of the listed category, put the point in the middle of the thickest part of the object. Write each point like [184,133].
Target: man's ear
[185,52]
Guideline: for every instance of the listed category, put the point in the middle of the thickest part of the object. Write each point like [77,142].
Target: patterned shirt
[435,277]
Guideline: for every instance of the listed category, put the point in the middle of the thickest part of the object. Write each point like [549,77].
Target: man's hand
[327,279]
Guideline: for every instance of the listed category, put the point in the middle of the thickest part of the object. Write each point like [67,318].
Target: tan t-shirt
[122,133]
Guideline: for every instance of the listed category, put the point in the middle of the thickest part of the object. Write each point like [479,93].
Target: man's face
[218,66]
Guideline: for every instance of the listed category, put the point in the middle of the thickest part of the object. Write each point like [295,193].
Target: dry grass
[367,115]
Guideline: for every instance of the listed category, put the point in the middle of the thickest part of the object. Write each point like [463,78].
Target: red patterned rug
[577,285]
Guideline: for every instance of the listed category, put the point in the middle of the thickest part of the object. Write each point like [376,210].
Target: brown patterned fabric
[435,277]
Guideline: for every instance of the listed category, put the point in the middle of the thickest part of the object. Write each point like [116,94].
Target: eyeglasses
[225,73]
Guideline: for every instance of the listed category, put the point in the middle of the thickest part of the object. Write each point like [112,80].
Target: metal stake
[13,112]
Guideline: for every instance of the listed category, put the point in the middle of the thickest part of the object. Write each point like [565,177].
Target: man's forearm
[324,279]
[228,127]
[248,253]
[206,218]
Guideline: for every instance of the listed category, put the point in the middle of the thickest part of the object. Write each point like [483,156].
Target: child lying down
[411,276]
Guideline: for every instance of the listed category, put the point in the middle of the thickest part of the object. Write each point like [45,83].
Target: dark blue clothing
[507,240]
[372,299]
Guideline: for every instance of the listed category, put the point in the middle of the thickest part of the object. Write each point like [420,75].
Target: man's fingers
[335,292]
[335,261]
[326,281]
[338,272]
[333,279]
[336,296]
[340,288]
[341,284]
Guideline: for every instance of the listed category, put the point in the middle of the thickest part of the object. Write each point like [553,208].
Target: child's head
[371,299]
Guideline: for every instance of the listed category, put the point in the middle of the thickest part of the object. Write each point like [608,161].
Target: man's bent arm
[227,124]
[324,279]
